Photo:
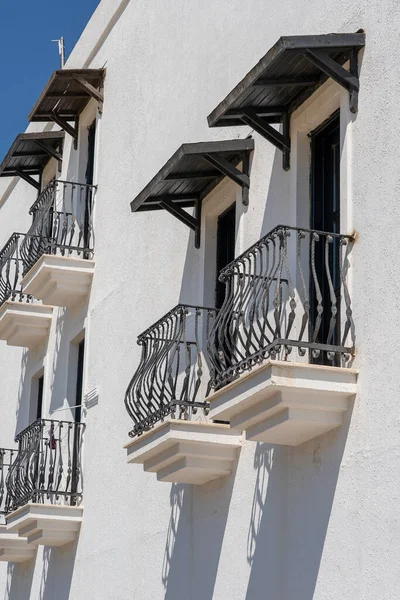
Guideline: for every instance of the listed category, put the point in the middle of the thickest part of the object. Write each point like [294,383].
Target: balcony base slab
[14,548]
[46,524]
[23,324]
[59,280]
[186,451]
[286,403]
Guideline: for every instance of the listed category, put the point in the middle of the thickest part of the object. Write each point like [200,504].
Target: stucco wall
[319,521]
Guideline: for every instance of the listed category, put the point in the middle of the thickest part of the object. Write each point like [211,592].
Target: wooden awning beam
[193,222]
[91,90]
[229,170]
[279,140]
[48,150]
[347,79]
[72,131]
[28,179]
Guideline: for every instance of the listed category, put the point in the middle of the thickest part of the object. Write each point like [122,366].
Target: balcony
[12,547]
[172,436]
[283,342]
[6,459]
[44,487]
[57,251]
[23,321]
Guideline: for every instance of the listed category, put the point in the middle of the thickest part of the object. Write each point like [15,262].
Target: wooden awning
[191,174]
[66,95]
[284,78]
[30,153]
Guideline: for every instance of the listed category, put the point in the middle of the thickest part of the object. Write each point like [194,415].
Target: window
[325,216]
[36,404]
[226,233]
[80,347]
[39,404]
[79,381]
[90,153]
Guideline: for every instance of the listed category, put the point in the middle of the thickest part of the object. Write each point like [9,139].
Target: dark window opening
[325,216]
[226,234]
[79,381]
[89,180]
[39,398]
[78,417]
[90,153]
[226,238]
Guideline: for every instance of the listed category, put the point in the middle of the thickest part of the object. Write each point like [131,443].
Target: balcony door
[78,418]
[226,234]
[89,175]
[325,216]
[226,238]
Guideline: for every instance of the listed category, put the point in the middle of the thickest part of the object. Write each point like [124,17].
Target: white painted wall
[316,522]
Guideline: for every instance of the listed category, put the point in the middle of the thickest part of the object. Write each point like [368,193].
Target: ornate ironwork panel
[11,270]
[168,378]
[62,222]
[286,296]
[7,457]
[47,467]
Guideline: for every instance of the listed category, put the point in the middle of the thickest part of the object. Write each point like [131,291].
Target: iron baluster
[344,263]
[275,294]
[320,308]
[291,293]
[329,244]
[61,223]
[306,303]
[6,460]
[170,370]
[37,473]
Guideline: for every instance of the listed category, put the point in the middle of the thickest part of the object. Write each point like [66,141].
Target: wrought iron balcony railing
[62,222]
[11,270]
[286,295]
[169,375]
[7,457]
[47,465]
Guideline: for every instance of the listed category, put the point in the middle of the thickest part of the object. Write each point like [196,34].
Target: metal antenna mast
[61,50]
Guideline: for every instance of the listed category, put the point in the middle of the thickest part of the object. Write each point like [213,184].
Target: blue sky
[28,57]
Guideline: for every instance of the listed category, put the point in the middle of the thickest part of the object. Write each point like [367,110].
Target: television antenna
[61,50]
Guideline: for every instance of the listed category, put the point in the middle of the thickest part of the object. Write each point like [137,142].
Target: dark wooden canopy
[30,153]
[66,94]
[191,174]
[284,78]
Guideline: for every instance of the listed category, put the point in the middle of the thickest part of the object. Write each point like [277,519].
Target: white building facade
[229,195]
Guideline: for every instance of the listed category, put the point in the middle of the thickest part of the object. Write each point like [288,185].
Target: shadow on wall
[211,504]
[278,207]
[60,357]
[19,580]
[24,387]
[194,540]
[266,540]
[313,477]
[177,556]
[58,567]
[65,362]
[292,506]
[29,362]
[56,577]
